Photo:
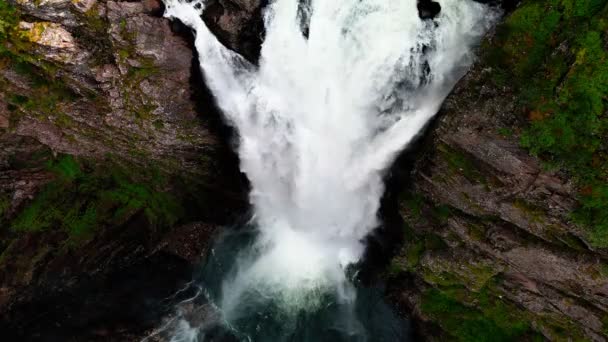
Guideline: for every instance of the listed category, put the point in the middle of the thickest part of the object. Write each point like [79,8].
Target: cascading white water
[321,119]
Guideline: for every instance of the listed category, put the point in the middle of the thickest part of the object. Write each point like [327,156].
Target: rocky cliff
[115,170]
[505,215]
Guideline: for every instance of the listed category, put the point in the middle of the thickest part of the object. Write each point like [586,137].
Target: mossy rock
[554,54]
[86,196]
[489,319]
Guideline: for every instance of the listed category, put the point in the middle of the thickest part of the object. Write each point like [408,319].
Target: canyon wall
[115,170]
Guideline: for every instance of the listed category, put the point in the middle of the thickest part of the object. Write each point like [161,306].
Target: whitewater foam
[320,119]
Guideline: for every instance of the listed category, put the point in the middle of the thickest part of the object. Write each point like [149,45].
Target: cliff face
[115,168]
[504,230]
[114,173]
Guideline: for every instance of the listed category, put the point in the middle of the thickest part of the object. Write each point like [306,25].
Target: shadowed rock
[428,9]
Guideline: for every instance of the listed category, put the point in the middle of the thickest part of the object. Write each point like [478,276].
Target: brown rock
[84,6]
[3,120]
[152,6]
[190,242]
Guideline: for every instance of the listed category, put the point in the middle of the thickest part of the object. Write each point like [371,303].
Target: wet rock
[428,9]
[190,242]
[123,306]
[237,24]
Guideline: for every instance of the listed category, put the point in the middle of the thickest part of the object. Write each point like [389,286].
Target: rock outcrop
[94,95]
[493,247]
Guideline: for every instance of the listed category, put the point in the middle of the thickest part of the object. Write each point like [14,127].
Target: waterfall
[342,86]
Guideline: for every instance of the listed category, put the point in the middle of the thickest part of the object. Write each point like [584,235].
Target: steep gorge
[491,249]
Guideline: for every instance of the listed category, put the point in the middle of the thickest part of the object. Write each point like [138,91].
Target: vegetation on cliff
[554,53]
[511,198]
[488,320]
[85,197]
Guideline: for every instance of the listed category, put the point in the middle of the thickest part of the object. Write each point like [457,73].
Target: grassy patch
[556,52]
[505,132]
[47,94]
[442,213]
[16,45]
[93,35]
[489,320]
[477,231]
[46,91]
[414,253]
[8,22]
[532,212]
[86,197]
[413,203]
[4,205]
[458,162]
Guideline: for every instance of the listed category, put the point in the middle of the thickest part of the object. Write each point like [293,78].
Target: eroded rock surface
[94,95]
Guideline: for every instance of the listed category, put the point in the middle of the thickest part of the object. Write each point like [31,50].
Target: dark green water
[259,317]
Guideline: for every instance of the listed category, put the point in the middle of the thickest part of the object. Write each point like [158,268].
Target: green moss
[5,204]
[473,204]
[394,269]
[63,120]
[122,25]
[458,162]
[137,102]
[446,274]
[413,203]
[414,253]
[442,213]
[415,247]
[85,197]
[146,69]
[480,274]
[94,36]
[46,95]
[434,242]
[477,231]
[530,29]
[603,270]
[8,23]
[506,132]
[555,53]
[442,279]
[593,213]
[158,124]
[561,329]
[123,54]
[16,45]
[47,91]
[532,212]
[605,325]
[490,319]
[568,239]
[66,168]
